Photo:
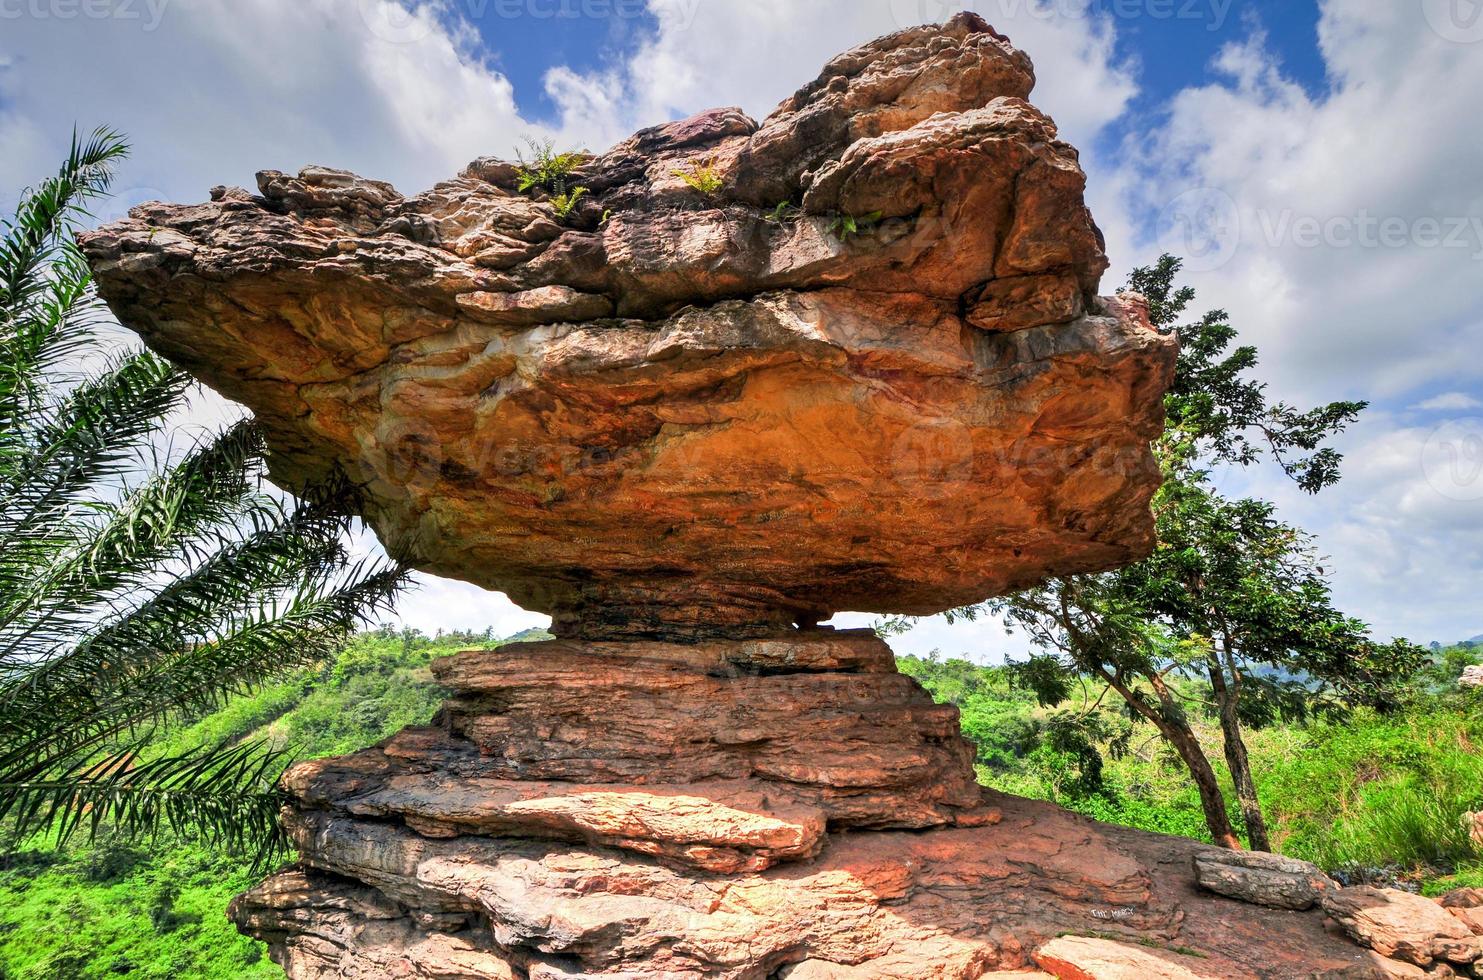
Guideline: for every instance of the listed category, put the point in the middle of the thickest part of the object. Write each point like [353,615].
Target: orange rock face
[788,807]
[677,413]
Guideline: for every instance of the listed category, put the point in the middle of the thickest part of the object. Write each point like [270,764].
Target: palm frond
[178,515]
[223,793]
[138,590]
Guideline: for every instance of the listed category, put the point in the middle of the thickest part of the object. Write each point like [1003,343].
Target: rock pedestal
[788,806]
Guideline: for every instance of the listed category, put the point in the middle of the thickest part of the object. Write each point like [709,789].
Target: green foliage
[848,226]
[1399,786]
[702,176]
[1224,412]
[565,202]
[784,212]
[138,586]
[1370,795]
[547,169]
[155,909]
[152,915]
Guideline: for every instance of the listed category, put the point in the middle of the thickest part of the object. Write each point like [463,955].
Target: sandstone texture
[724,756]
[1404,926]
[674,410]
[848,357]
[1263,879]
[759,809]
[756,809]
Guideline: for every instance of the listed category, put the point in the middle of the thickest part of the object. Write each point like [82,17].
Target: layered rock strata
[727,756]
[661,810]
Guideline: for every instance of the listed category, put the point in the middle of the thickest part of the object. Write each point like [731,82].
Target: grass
[1370,797]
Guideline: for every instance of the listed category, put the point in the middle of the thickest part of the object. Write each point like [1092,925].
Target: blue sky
[1316,160]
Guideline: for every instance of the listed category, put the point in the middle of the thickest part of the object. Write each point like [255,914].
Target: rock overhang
[680,413]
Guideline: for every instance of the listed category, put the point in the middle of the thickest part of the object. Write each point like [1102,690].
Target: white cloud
[1452,401]
[1352,223]
[1403,530]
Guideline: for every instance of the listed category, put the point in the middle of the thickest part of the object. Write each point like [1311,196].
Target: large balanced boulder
[849,357]
[675,410]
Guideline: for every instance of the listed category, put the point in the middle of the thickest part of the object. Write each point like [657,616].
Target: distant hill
[529,636]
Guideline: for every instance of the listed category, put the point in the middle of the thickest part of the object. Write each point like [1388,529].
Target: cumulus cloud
[1452,401]
[1343,231]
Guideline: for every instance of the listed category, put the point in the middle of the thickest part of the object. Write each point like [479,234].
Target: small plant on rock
[702,175]
[546,169]
[847,226]
[565,203]
[784,212]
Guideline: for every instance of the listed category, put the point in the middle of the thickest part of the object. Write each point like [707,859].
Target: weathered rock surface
[723,756]
[1403,926]
[1471,677]
[885,905]
[672,411]
[1089,958]
[1467,905]
[648,809]
[1263,879]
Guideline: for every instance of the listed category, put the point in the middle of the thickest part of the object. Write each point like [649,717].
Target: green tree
[138,586]
[1240,591]
[1229,589]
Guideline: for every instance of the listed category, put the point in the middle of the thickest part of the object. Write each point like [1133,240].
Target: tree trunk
[1228,699]
[1179,735]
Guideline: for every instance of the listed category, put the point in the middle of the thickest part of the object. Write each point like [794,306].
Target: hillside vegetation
[1367,797]
[158,909]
